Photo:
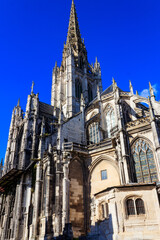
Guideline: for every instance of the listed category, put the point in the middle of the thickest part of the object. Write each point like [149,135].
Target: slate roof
[45,108]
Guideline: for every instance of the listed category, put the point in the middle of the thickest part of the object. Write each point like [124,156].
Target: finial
[151,90]
[113,80]
[137,93]
[32,87]
[114,84]
[18,103]
[151,109]
[130,86]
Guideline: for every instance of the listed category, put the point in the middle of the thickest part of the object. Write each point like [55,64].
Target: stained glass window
[94,133]
[144,164]
[110,120]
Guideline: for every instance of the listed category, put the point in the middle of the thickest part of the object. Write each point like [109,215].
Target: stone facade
[88,165]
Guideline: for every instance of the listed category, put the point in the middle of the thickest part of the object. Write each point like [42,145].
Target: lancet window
[110,120]
[94,135]
[143,159]
[78,88]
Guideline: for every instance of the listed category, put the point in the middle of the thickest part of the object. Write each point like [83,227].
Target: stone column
[65,209]
[4,227]
[123,158]
[18,209]
[36,200]
[58,197]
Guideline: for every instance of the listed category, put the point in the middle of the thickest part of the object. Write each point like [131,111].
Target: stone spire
[74,37]
[151,90]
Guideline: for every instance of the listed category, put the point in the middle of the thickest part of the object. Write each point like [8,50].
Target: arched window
[140,206]
[145,168]
[90,95]
[94,133]
[78,88]
[110,120]
[135,206]
[130,207]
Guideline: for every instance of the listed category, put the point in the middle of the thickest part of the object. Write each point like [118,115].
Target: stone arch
[76,197]
[103,163]
[143,138]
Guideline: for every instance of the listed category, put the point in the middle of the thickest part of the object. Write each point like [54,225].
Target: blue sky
[124,35]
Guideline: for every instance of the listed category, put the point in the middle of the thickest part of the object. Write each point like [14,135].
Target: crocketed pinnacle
[74,36]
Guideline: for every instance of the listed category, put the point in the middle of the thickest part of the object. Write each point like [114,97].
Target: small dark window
[130,207]
[140,206]
[103,174]
[103,213]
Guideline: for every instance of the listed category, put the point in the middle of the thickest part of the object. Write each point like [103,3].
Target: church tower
[75,76]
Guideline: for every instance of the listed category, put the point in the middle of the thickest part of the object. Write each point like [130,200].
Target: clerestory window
[94,135]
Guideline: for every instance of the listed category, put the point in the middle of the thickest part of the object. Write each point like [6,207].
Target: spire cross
[32,87]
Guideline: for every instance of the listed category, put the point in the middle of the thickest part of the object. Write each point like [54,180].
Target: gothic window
[94,133]
[78,88]
[110,120]
[135,206]
[143,159]
[90,95]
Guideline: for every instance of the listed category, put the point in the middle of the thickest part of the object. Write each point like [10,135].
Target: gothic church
[87,166]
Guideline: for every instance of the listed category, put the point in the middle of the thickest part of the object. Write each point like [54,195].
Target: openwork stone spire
[74,37]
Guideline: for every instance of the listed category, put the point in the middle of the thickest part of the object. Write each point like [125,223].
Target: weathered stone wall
[76,198]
